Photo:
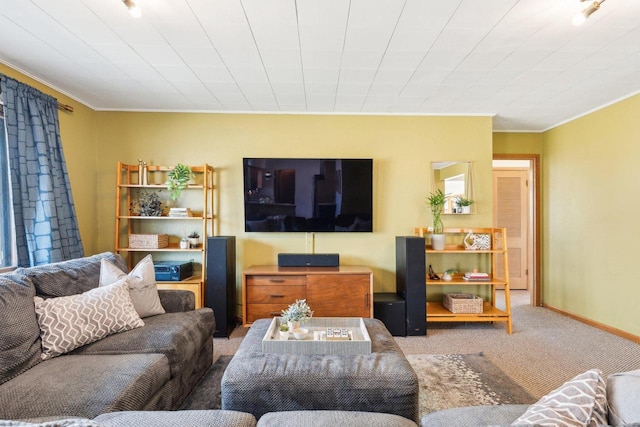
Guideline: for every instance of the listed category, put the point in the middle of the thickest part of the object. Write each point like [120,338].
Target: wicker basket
[462,303]
[148,241]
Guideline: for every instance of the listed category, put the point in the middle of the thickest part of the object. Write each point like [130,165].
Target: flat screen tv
[308,195]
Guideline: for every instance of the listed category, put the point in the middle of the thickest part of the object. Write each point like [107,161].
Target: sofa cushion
[84,386]
[179,336]
[69,322]
[623,392]
[332,419]
[69,277]
[204,418]
[141,281]
[20,347]
[581,401]
[490,415]
[66,422]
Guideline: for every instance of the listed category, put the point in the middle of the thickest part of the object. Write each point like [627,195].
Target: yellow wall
[402,149]
[517,143]
[79,144]
[590,179]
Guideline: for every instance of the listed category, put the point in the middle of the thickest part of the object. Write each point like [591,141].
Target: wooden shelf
[436,312]
[448,249]
[200,197]
[163,217]
[191,279]
[458,280]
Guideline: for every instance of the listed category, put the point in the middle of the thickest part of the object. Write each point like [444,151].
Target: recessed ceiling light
[134,10]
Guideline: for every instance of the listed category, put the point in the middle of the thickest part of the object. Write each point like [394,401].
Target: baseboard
[601,326]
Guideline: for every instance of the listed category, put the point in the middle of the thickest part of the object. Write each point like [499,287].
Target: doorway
[516,207]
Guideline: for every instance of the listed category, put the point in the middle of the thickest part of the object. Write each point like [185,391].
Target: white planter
[284,335]
[293,325]
[184,244]
[193,242]
[437,241]
[466,209]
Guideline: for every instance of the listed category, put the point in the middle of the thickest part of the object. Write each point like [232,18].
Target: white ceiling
[521,61]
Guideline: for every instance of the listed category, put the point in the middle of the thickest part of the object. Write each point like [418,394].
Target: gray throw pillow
[623,392]
[581,401]
[20,347]
[67,323]
[142,285]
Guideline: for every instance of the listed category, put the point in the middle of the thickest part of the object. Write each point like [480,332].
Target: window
[7,237]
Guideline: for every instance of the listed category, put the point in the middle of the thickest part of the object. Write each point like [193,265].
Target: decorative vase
[184,244]
[284,335]
[437,241]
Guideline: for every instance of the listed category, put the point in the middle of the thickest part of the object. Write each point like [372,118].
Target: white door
[511,211]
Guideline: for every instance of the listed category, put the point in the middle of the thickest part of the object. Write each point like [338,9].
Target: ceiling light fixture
[580,17]
[135,11]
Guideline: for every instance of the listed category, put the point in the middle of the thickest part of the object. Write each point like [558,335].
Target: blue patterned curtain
[45,219]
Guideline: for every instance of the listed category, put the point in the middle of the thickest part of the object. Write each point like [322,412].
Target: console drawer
[264,311]
[276,280]
[275,294]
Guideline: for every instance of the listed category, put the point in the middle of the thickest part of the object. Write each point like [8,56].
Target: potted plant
[179,178]
[296,313]
[448,274]
[284,332]
[465,204]
[147,204]
[436,202]
[193,239]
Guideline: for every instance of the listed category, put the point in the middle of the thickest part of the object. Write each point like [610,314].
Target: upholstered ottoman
[383,381]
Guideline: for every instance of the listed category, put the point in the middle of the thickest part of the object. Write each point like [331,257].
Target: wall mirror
[454,178]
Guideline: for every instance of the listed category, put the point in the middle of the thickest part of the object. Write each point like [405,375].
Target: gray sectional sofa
[140,376]
[153,367]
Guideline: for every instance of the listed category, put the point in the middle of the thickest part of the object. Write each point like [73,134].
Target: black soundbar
[308,260]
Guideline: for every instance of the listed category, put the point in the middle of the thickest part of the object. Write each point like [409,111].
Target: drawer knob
[276,296]
[276,280]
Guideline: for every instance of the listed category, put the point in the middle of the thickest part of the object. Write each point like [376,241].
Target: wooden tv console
[345,291]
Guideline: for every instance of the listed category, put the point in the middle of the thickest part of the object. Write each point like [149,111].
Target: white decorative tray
[316,342]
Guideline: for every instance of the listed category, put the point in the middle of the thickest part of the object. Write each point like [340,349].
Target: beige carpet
[545,350]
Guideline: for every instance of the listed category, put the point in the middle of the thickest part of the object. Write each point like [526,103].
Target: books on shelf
[476,277]
[180,212]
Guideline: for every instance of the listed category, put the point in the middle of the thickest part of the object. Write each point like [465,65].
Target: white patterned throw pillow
[579,402]
[142,285]
[70,322]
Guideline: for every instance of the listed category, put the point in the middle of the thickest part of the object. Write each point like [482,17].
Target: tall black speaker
[220,289]
[411,274]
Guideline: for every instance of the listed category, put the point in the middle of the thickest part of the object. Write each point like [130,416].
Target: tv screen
[308,195]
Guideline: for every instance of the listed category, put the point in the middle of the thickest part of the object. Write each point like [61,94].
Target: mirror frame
[458,171]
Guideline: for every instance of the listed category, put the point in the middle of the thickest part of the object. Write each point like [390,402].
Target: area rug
[455,380]
[446,381]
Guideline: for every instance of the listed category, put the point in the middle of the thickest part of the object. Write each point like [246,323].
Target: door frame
[534,159]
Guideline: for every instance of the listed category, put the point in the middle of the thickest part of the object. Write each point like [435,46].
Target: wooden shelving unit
[499,276]
[197,196]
